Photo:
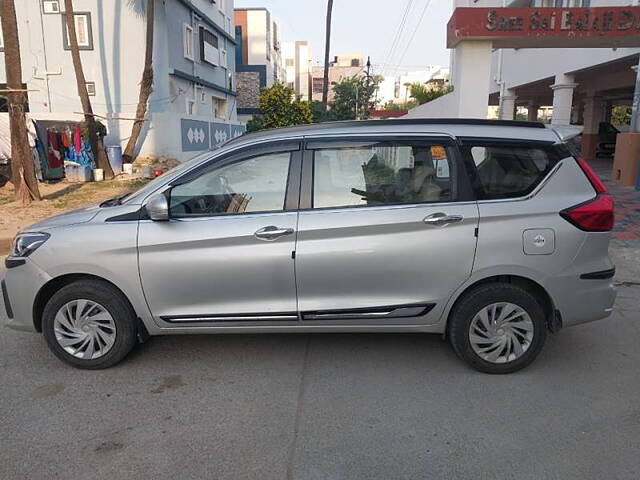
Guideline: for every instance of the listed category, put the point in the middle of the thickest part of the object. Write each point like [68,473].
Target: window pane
[81,30]
[381,174]
[510,171]
[255,185]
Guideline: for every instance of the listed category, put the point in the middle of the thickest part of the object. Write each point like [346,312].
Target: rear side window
[509,171]
[382,174]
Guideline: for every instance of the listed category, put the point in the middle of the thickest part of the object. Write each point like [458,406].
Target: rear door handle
[441,219]
[272,232]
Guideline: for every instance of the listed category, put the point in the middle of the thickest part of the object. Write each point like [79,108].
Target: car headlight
[26,243]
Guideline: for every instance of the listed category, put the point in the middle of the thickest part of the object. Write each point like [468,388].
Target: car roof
[457,128]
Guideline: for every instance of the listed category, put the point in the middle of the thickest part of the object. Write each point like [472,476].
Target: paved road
[349,406]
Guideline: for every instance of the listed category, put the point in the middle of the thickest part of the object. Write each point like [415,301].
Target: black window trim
[292,189]
[464,191]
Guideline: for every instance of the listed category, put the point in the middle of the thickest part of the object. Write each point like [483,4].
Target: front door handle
[271,232]
[441,219]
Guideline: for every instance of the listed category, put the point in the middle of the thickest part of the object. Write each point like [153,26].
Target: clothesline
[112,118]
[17,90]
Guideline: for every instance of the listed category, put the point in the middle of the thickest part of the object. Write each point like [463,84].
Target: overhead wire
[399,31]
[415,30]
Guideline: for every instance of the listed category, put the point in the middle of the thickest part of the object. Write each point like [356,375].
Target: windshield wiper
[112,202]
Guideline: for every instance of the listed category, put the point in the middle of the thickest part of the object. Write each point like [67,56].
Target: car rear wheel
[89,324]
[498,328]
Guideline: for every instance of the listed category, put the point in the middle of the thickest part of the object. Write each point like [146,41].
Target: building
[342,66]
[298,65]
[521,59]
[192,107]
[398,89]
[258,56]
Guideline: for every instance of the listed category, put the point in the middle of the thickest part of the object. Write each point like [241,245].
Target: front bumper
[20,287]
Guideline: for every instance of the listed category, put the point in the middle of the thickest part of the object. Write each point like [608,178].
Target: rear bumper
[582,300]
[20,287]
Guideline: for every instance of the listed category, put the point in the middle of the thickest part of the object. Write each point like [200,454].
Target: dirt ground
[57,198]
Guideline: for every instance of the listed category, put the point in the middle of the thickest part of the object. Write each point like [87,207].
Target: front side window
[258,184]
[510,171]
[382,174]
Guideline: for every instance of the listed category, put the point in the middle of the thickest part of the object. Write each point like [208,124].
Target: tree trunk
[97,143]
[23,174]
[327,43]
[146,87]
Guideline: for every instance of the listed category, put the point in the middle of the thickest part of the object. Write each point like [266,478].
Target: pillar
[593,114]
[532,111]
[508,104]
[471,78]
[562,99]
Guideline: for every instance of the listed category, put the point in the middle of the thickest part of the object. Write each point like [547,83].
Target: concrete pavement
[349,406]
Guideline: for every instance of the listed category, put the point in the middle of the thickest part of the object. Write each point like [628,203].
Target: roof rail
[392,122]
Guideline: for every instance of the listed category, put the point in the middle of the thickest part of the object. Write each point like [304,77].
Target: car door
[225,255]
[386,232]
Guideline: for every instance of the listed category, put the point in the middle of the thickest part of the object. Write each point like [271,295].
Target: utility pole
[367,84]
[635,116]
[327,43]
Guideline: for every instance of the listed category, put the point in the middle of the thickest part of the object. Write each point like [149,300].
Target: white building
[398,89]
[298,65]
[194,57]
[581,84]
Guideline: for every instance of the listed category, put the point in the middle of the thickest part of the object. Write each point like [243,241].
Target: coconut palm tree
[96,141]
[22,170]
[327,42]
[146,87]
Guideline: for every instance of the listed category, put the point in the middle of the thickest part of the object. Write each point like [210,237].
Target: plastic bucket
[114,152]
[71,172]
[98,174]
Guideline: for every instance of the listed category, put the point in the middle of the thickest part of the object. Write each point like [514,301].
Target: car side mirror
[158,208]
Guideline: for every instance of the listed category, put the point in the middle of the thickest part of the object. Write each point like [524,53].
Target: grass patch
[78,194]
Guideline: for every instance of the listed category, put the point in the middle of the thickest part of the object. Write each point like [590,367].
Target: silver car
[489,233]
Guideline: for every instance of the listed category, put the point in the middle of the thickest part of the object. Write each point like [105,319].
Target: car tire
[500,320]
[94,313]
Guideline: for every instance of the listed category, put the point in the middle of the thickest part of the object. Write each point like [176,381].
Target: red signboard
[526,27]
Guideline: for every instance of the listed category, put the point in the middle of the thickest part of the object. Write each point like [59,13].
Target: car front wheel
[498,328]
[89,324]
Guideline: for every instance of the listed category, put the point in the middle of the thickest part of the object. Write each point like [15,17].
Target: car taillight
[595,215]
[592,176]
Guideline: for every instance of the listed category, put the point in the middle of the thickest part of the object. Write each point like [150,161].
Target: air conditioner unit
[51,6]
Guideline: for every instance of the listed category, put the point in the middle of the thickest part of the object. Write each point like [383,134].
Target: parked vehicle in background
[607,135]
[488,232]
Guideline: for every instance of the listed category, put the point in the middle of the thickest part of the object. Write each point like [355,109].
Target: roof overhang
[525,27]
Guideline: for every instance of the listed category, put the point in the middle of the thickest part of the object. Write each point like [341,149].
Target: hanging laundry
[66,141]
[77,139]
[54,157]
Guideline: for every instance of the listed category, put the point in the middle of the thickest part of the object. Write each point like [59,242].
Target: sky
[368,27]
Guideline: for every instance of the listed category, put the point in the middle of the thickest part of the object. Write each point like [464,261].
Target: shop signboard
[527,27]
